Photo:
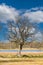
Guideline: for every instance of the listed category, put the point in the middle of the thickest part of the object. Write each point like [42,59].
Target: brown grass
[27,61]
[36,61]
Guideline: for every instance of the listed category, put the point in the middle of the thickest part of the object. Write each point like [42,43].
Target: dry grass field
[30,61]
[8,58]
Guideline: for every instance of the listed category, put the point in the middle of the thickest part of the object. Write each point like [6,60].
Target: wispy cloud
[34,14]
[36,8]
[8,13]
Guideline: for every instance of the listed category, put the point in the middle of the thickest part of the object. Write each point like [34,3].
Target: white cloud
[38,37]
[36,8]
[38,34]
[34,16]
[32,30]
[8,13]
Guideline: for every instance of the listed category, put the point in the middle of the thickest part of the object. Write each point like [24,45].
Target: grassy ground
[27,58]
[24,49]
[30,61]
[8,58]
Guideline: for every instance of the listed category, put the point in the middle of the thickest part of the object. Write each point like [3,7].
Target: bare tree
[19,31]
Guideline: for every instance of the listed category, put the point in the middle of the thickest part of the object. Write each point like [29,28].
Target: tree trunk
[20,49]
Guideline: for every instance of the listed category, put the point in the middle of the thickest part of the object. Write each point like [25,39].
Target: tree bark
[20,49]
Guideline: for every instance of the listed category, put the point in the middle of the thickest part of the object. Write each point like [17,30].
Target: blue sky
[23,5]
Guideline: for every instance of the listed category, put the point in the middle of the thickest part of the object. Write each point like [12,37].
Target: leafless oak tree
[18,31]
